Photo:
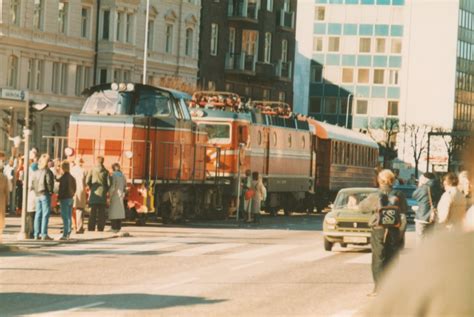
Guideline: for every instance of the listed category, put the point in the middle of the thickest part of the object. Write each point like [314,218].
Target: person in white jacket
[452,205]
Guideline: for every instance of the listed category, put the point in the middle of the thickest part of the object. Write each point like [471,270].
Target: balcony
[240,62]
[286,19]
[243,9]
[283,70]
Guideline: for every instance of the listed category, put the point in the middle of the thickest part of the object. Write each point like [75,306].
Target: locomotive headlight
[130,87]
[128,154]
[122,87]
[114,86]
[69,151]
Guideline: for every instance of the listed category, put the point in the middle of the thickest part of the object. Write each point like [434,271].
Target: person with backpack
[67,189]
[387,207]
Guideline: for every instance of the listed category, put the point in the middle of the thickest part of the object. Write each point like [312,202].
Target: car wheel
[327,245]
[343,245]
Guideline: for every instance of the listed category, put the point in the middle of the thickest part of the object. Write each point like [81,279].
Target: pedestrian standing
[452,205]
[98,181]
[80,199]
[117,195]
[9,171]
[43,186]
[31,203]
[19,174]
[3,201]
[427,196]
[260,195]
[245,185]
[385,242]
[67,189]
[465,187]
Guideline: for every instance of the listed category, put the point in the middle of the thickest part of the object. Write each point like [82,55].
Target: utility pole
[145,48]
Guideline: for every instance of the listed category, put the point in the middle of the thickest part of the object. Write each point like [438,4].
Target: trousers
[383,252]
[97,217]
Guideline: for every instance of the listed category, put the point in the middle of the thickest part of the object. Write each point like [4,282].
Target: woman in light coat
[452,205]
[31,203]
[4,193]
[260,195]
[117,194]
[79,199]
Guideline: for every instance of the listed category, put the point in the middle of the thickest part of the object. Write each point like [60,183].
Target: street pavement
[221,268]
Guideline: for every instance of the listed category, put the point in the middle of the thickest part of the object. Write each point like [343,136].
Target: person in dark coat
[427,195]
[98,181]
[67,189]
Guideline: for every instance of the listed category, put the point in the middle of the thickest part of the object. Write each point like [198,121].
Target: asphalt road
[278,268]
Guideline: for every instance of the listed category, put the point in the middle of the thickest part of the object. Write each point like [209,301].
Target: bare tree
[385,133]
[418,135]
[449,142]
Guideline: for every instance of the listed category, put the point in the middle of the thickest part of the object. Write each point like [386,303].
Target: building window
[79,80]
[347,75]
[364,45]
[380,45]
[105,24]
[286,5]
[63,79]
[127,76]
[319,13]
[87,77]
[169,39]
[330,105]
[281,96]
[214,38]
[317,73]
[38,14]
[118,26]
[315,105]
[378,76]
[12,71]
[396,46]
[117,75]
[392,108]
[211,85]
[284,51]
[266,94]
[55,78]
[151,34]
[85,15]
[62,17]
[363,76]
[129,28]
[39,75]
[268,48]
[318,44]
[15,12]
[333,45]
[393,77]
[269,5]
[103,75]
[249,42]
[189,42]
[30,75]
[362,107]
[231,40]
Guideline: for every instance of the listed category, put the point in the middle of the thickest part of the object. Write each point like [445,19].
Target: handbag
[249,194]
[433,211]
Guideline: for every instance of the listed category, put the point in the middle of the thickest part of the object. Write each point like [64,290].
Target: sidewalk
[12,229]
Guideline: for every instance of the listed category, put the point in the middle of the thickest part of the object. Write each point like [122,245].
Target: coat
[67,186]
[422,197]
[4,193]
[117,194]
[452,208]
[260,195]
[80,199]
[98,181]
[31,204]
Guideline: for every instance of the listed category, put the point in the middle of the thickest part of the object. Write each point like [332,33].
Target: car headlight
[330,220]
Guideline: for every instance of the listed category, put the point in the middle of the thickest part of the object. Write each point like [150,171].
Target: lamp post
[347,109]
[145,48]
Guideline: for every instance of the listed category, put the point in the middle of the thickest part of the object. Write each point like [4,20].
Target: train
[184,156]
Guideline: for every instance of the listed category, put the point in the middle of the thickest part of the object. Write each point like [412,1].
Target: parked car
[412,203]
[346,223]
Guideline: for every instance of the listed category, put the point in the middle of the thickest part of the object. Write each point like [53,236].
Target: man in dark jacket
[43,186]
[67,189]
[427,195]
[98,180]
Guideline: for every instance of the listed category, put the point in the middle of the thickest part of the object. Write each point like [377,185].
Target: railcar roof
[334,132]
[175,93]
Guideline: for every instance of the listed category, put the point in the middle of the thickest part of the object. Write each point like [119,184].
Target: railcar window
[107,102]
[217,133]
[153,103]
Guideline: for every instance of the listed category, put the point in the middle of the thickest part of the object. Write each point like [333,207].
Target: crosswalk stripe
[203,249]
[363,259]
[260,252]
[310,256]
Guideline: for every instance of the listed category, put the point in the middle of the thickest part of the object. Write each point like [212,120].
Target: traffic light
[32,108]
[7,121]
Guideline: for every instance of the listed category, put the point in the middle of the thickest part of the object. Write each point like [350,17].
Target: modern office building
[248,47]
[50,50]
[410,61]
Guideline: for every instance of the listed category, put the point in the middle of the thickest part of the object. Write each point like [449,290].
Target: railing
[283,69]
[55,146]
[286,19]
[240,62]
[243,9]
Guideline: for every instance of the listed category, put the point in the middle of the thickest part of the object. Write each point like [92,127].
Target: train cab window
[153,103]
[108,102]
[184,109]
[243,134]
[217,133]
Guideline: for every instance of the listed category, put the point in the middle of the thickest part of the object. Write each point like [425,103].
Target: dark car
[412,203]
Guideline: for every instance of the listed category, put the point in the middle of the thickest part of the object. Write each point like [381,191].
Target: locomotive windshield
[217,133]
[146,102]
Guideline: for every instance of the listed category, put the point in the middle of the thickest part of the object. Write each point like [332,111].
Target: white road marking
[131,249]
[311,256]
[345,313]
[243,266]
[260,252]
[363,259]
[203,249]
[70,310]
[169,285]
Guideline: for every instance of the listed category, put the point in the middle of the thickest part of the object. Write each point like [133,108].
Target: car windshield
[350,199]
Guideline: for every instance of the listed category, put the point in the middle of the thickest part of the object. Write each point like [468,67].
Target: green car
[347,224]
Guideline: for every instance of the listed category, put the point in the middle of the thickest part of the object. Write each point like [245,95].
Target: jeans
[43,210]
[422,230]
[385,246]
[66,214]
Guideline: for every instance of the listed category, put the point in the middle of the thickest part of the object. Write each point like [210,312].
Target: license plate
[355,239]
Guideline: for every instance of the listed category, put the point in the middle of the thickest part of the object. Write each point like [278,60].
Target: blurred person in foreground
[385,241]
[436,280]
[465,187]
[452,205]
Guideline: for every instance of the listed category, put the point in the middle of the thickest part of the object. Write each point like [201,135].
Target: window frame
[214,39]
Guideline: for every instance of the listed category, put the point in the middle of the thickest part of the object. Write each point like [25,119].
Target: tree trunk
[416,169]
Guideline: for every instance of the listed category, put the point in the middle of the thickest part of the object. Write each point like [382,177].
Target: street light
[30,108]
[347,109]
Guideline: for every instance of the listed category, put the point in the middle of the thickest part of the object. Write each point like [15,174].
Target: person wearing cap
[79,199]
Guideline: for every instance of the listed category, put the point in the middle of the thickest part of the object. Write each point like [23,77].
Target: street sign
[13,94]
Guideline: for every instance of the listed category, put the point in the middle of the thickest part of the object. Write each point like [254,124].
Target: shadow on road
[13,304]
